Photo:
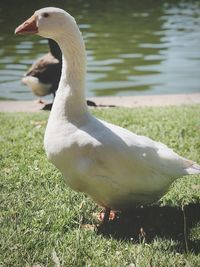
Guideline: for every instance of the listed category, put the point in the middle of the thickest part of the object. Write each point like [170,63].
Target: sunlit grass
[41,218]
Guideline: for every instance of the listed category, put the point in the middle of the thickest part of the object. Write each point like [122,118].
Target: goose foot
[106,215]
[40,101]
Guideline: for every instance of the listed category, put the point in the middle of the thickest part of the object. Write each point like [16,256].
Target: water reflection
[133,47]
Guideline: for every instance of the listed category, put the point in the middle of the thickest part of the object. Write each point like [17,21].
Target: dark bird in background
[44,75]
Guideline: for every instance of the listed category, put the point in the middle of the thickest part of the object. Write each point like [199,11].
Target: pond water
[133,47]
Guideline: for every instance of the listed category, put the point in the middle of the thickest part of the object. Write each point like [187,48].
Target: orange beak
[28,27]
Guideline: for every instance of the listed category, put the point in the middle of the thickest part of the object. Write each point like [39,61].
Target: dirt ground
[123,101]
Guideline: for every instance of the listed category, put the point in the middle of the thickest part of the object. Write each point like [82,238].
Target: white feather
[38,88]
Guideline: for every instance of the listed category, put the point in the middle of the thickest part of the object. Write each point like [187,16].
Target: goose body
[115,167]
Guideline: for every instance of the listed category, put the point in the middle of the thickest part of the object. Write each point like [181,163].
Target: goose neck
[71,90]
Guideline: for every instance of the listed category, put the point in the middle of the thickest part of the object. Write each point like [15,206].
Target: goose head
[55,23]
[48,22]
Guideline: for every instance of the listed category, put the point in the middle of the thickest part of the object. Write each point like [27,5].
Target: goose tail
[194,168]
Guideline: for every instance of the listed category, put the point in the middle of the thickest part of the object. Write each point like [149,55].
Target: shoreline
[111,101]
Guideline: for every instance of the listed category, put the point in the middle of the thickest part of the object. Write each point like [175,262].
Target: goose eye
[46,15]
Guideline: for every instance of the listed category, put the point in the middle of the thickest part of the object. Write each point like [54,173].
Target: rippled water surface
[133,47]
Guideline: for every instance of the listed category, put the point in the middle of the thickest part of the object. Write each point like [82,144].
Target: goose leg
[106,216]
[40,101]
[104,221]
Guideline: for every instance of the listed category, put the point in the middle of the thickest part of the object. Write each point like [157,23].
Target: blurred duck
[44,75]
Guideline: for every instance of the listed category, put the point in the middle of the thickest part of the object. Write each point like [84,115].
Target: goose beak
[28,27]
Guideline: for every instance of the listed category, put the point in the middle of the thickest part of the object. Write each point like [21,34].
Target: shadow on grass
[89,103]
[144,224]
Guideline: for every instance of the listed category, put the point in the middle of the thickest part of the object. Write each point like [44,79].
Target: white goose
[115,167]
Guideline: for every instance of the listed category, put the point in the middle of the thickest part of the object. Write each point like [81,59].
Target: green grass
[42,219]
